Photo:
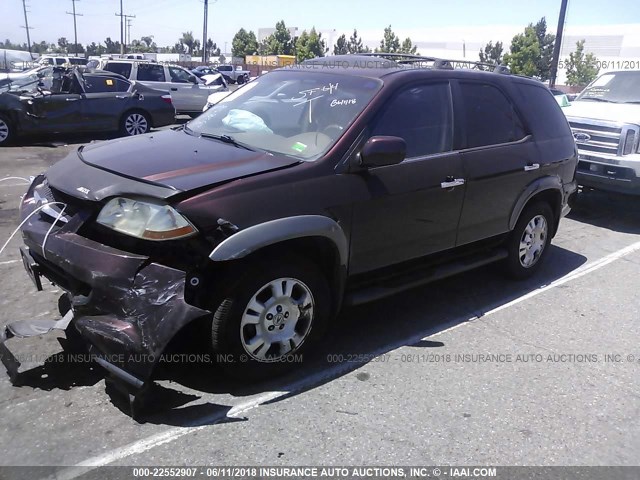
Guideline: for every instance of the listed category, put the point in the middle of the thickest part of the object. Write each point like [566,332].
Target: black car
[68,100]
[203,70]
[338,182]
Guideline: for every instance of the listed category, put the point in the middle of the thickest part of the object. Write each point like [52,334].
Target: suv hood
[180,161]
[612,112]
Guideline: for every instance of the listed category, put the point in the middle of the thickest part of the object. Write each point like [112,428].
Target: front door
[412,209]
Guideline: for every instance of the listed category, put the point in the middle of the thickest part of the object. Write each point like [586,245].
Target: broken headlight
[144,219]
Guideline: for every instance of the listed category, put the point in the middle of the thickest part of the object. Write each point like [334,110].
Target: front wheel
[275,314]
[6,131]
[135,123]
[528,244]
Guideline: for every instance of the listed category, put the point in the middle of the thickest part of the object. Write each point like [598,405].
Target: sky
[167,19]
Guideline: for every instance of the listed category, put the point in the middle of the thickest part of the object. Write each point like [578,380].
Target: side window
[123,69]
[178,75]
[151,72]
[100,84]
[60,61]
[490,117]
[544,116]
[421,115]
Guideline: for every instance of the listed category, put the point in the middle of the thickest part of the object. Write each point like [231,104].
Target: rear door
[186,95]
[498,157]
[411,209]
[105,100]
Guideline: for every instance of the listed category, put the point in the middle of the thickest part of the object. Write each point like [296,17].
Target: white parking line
[334,371]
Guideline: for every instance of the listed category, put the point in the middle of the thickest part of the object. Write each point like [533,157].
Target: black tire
[516,262]
[241,80]
[229,336]
[135,122]
[7,132]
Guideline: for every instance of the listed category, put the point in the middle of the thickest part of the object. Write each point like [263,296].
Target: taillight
[166,98]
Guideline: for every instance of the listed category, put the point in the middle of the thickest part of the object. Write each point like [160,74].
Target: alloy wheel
[277,319]
[533,241]
[4,131]
[136,124]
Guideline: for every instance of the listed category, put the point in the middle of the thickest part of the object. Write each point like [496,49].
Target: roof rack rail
[441,63]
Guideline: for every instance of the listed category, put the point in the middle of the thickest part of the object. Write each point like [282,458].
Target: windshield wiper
[598,99]
[227,139]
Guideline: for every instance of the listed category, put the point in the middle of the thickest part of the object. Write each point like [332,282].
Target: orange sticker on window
[109,82]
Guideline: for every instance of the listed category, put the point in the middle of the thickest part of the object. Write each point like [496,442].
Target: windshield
[615,87]
[301,114]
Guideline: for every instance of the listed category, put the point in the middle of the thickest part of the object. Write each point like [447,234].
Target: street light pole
[558,44]
[204,32]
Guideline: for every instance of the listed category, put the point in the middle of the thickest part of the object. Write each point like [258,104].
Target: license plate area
[32,268]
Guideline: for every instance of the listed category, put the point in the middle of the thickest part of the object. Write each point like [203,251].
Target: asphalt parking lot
[473,370]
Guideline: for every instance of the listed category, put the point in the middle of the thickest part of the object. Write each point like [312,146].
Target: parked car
[234,75]
[561,97]
[189,94]
[58,60]
[304,191]
[605,119]
[203,70]
[67,100]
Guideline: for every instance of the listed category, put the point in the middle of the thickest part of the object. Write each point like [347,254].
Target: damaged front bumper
[126,307]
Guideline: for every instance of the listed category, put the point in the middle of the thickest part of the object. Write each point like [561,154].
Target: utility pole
[75,29]
[204,32]
[129,30]
[558,44]
[26,26]
[123,37]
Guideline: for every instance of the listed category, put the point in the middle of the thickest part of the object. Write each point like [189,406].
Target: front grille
[596,138]
[602,137]
[72,205]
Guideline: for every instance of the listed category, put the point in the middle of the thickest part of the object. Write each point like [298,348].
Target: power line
[75,29]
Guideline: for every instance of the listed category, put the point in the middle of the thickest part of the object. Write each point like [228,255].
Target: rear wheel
[6,130]
[135,123]
[529,241]
[275,314]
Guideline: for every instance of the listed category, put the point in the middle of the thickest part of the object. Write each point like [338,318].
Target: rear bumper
[125,306]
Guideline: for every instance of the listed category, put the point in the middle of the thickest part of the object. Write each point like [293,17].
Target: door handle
[531,166]
[121,96]
[174,89]
[71,99]
[451,182]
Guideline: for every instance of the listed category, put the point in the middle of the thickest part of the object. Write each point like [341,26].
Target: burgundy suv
[336,182]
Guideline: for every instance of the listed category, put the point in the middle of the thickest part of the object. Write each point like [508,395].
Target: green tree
[244,43]
[355,44]
[280,42]
[581,69]
[546,42]
[309,45]
[390,42]
[341,47]
[188,42]
[408,47]
[63,45]
[111,46]
[491,53]
[525,53]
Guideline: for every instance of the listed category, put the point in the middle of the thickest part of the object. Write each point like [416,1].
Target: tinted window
[123,69]
[490,117]
[150,72]
[544,116]
[422,116]
[178,75]
[60,61]
[224,68]
[78,61]
[101,84]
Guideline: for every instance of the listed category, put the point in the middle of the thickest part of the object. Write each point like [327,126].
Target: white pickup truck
[233,74]
[605,119]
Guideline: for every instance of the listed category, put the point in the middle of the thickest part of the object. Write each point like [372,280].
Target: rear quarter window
[542,113]
[123,69]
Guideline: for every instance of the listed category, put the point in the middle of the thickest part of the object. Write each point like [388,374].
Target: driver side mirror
[193,79]
[383,150]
